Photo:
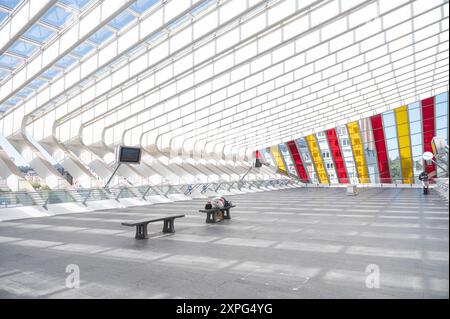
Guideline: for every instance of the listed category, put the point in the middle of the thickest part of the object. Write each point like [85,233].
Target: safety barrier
[85,195]
[442,187]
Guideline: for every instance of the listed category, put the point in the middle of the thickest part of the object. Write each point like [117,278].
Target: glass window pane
[38,33]
[82,49]
[440,98]
[78,4]
[10,4]
[51,73]
[142,5]
[9,61]
[23,48]
[287,159]
[56,16]
[121,20]
[66,62]
[101,35]
[3,16]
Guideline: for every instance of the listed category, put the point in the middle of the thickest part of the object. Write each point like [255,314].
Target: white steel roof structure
[197,83]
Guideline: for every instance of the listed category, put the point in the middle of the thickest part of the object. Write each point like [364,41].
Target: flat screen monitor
[129,155]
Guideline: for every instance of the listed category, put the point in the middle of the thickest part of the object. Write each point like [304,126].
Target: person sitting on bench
[218,203]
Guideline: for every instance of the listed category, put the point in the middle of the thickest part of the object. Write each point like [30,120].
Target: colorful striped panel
[278,160]
[335,149]
[380,145]
[317,159]
[404,144]
[298,161]
[358,152]
[428,130]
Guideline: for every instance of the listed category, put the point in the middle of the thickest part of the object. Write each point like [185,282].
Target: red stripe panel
[380,145]
[337,156]
[428,129]
[298,161]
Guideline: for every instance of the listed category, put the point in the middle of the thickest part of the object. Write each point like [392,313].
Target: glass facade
[302,146]
[380,145]
[428,130]
[385,148]
[298,161]
[415,131]
[401,117]
[336,154]
[390,132]
[441,114]
[267,156]
[278,160]
[317,159]
[347,154]
[327,158]
[289,164]
[358,152]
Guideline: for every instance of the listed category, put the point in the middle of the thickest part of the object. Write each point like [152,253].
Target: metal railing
[442,187]
[84,195]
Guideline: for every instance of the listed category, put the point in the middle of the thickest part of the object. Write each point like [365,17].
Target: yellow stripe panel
[277,156]
[317,159]
[358,152]
[401,117]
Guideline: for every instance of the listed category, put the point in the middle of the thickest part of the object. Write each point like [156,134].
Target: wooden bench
[141,225]
[211,213]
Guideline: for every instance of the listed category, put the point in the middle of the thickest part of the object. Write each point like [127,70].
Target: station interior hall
[219,149]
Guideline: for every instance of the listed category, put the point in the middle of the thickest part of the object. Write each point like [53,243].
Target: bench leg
[226,214]
[168,226]
[211,217]
[141,232]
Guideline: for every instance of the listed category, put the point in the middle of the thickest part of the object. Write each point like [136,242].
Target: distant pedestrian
[425,182]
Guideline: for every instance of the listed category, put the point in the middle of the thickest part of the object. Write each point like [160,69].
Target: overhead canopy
[249,74]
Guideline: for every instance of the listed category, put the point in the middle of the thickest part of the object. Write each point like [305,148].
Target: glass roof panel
[9,61]
[82,49]
[56,16]
[3,74]
[13,101]
[101,35]
[11,4]
[51,73]
[66,61]
[3,16]
[202,6]
[78,4]
[178,22]
[121,20]
[22,48]
[37,83]
[38,33]
[142,5]
[24,92]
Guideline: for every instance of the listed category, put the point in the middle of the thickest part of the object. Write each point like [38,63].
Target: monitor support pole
[114,173]
[248,171]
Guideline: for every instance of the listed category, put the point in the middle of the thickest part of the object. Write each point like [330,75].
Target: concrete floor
[296,243]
